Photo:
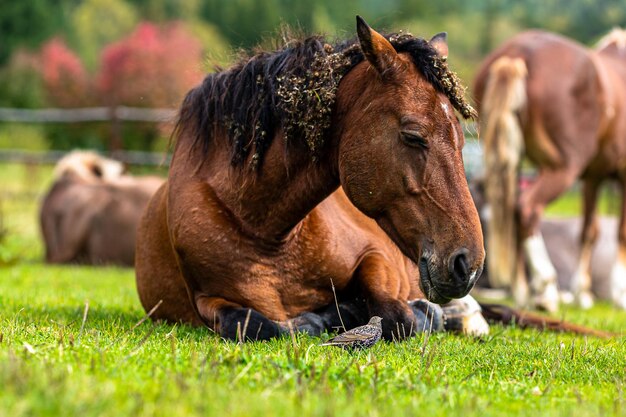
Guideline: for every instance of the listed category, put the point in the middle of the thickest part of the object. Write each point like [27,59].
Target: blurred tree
[321,20]
[99,22]
[165,10]
[216,50]
[27,24]
[153,67]
[21,82]
[64,76]
[68,84]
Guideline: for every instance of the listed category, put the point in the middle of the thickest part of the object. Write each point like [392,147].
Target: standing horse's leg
[618,273]
[543,280]
[581,282]
[519,286]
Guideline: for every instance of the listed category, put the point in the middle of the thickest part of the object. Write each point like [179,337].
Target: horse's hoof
[584,300]
[243,324]
[618,285]
[309,323]
[548,299]
[566,297]
[465,316]
[619,300]
[430,316]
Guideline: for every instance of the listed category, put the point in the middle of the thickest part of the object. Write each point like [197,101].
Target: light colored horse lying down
[91,212]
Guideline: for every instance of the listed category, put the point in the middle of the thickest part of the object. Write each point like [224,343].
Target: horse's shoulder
[354,228]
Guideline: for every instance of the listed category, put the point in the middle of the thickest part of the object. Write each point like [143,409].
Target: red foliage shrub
[65,79]
[153,67]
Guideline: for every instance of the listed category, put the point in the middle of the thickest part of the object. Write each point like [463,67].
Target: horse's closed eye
[414,139]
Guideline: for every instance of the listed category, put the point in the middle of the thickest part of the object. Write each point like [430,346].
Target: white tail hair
[505,96]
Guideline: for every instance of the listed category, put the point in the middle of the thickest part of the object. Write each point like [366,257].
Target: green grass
[23,137]
[570,203]
[56,361]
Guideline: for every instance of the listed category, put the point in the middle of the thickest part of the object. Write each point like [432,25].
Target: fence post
[115,138]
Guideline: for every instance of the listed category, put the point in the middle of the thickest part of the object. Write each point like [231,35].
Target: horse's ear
[377,50]
[440,43]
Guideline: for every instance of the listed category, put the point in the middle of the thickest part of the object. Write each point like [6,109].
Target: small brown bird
[361,337]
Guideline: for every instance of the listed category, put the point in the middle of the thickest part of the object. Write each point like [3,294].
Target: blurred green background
[148,53]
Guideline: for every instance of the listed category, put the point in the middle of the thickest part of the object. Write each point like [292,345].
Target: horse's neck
[272,203]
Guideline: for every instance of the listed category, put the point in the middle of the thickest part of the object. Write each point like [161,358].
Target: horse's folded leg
[247,324]
[350,314]
[234,322]
[465,316]
[430,316]
[309,323]
[332,317]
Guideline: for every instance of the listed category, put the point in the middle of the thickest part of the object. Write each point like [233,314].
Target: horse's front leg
[381,286]
[581,282]
[235,322]
[344,315]
[543,279]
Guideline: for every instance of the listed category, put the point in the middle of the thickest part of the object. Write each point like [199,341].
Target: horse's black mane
[293,89]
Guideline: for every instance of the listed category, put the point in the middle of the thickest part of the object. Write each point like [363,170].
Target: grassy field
[72,343]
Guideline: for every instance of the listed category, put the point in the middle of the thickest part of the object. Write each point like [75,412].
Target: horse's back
[115,227]
[548,57]
[562,79]
[67,214]
[94,222]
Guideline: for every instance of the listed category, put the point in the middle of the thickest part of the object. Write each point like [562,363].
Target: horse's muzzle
[454,280]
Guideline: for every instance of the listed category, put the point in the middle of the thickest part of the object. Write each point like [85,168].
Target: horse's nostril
[459,267]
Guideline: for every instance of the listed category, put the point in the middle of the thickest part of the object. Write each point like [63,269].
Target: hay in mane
[293,89]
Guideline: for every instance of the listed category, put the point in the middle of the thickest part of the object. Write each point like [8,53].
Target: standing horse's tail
[504,97]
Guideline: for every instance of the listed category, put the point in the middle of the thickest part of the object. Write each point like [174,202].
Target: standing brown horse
[312,166]
[564,107]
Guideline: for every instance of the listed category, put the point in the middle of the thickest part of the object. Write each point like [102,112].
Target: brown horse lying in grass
[91,212]
[309,167]
[564,107]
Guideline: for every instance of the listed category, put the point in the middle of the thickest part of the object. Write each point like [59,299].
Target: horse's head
[400,163]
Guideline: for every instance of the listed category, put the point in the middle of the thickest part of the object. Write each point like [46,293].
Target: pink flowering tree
[153,67]
[65,79]
[67,84]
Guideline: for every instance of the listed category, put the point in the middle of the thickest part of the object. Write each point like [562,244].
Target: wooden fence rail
[87,114]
